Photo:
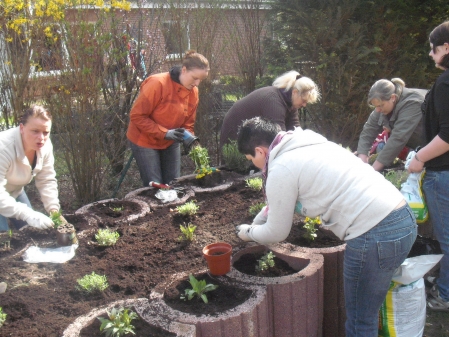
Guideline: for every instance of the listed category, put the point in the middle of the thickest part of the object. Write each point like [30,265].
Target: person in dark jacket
[397,109]
[279,103]
[434,157]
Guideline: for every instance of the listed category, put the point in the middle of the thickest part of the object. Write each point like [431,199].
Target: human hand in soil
[175,134]
[38,220]
[244,232]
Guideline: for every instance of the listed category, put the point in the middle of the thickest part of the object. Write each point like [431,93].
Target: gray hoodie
[316,177]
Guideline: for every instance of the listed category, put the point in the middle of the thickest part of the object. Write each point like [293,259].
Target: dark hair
[194,60]
[256,132]
[438,37]
[36,111]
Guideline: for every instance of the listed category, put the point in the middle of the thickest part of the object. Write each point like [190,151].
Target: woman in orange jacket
[163,111]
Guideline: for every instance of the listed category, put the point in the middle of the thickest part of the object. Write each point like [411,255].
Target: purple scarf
[275,142]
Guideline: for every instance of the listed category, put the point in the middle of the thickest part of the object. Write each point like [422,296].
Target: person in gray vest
[278,103]
[398,109]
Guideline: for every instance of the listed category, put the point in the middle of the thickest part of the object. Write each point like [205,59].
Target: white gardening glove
[38,220]
[244,232]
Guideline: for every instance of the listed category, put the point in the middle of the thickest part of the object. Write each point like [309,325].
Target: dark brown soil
[247,264]
[41,299]
[223,298]
[324,238]
[115,209]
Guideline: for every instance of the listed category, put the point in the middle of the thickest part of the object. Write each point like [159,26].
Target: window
[177,40]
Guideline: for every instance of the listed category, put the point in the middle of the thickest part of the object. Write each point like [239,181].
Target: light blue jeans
[436,192]
[369,264]
[23,198]
[161,166]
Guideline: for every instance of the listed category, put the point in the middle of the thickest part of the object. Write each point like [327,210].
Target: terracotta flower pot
[218,257]
[66,235]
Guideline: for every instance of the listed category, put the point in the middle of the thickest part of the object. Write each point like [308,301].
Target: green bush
[189,208]
[106,237]
[233,159]
[254,183]
[92,283]
[256,208]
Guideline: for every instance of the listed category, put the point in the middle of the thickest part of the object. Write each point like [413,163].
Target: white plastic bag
[166,195]
[403,312]
[411,190]
[54,255]
[414,268]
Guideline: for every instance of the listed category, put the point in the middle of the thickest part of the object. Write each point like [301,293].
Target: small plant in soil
[233,158]
[106,237]
[2,317]
[310,225]
[118,322]
[265,262]
[56,217]
[254,183]
[7,242]
[117,209]
[92,283]
[256,208]
[199,289]
[188,232]
[189,208]
[397,177]
[200,157]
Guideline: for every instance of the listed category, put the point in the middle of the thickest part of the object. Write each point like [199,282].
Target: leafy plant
[200,157]
[56,218]
[2,317]
[397,177]
[106,237]
[119,322]
[117,209]
[265,262]
[310,226]
[188,232]
[256,208]
[7,242]
[92,283]
[254,183]
[199,288]
[233,158]
[189,208]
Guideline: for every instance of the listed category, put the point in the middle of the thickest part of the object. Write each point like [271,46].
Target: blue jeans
[23,198]
[370,261]
[161,166]
[436,192]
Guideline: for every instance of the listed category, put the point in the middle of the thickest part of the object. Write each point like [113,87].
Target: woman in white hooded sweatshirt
[305,173]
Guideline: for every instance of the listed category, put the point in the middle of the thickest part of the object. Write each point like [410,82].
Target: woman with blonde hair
[398,110]
[278,103]
[26,152]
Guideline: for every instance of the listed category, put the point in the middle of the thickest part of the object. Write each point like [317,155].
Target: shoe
[435,302]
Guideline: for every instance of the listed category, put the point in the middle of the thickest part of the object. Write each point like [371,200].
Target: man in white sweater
[26,152]
[305,173]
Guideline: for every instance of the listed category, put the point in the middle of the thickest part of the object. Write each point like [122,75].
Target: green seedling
[7,243]
[106,237]
[255,209]
[56,218]
[92,283]
[397,177]
[310,225]
[189,208]
[233,158]
[118,323]
[2,317]
[188,232]
[254,183]
[116,209]
[200,157]
[265,262]
[199,288]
